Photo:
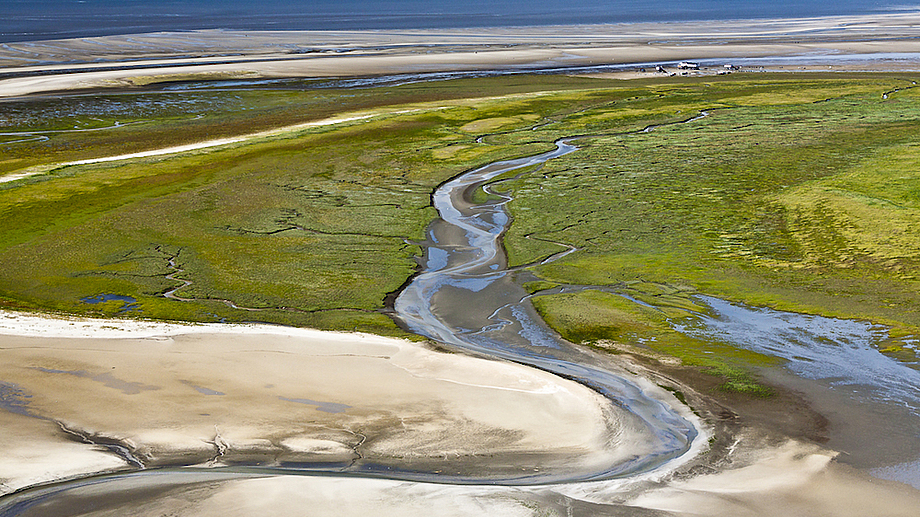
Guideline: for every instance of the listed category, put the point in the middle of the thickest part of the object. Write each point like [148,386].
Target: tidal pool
[872,400]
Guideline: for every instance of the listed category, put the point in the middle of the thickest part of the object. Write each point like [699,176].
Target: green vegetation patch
[793,194]
[617,322]
[314,227]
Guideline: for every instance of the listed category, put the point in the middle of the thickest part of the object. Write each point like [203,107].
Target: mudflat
[141,59]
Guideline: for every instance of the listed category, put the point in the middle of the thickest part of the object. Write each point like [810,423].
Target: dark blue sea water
[24,20]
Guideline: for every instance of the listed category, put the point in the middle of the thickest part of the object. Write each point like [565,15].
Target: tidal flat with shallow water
[332,200]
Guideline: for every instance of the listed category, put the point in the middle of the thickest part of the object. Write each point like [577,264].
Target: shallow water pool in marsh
[872,400]
[129,303]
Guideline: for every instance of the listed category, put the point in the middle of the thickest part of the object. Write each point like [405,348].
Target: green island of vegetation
[799,192]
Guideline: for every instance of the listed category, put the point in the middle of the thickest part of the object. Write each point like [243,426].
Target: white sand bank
[208,144]
[242,393]
[790,480]
[221,394]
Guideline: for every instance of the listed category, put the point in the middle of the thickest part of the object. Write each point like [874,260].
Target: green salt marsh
[795,191]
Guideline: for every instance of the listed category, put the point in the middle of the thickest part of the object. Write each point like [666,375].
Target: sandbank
[258,394]
[209,144]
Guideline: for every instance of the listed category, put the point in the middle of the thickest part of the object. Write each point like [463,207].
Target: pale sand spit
[228,394]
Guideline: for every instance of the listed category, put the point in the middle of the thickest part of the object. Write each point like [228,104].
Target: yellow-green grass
[309,228]
[801,197]
[152,118]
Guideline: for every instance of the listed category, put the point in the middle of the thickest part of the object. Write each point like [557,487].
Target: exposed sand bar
[119,61]
[788,480]
[231,394]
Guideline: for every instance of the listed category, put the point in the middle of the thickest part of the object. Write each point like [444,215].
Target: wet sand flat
[119,61]
[222,395]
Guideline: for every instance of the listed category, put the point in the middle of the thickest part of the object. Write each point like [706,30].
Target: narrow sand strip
[203,145]
[131,61]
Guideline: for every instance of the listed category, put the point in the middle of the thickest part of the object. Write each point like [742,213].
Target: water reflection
[872,400]
[840,352]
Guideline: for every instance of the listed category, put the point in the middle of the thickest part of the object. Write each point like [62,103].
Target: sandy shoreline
[216,395]
[882,42]
[207,144]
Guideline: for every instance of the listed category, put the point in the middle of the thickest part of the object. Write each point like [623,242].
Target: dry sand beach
[234,394]
[84,397]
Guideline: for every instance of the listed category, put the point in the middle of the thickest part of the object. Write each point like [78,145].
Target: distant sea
[25,20]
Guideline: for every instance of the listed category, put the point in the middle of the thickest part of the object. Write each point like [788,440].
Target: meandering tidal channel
[466,297]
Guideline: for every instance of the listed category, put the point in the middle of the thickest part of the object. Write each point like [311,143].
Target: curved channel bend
[465,296]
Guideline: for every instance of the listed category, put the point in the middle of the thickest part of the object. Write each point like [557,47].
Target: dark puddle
[129,303]
[203,390]
[326,407]
[107,379]
[14,399]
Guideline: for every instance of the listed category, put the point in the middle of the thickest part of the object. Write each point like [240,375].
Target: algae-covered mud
[713,260]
